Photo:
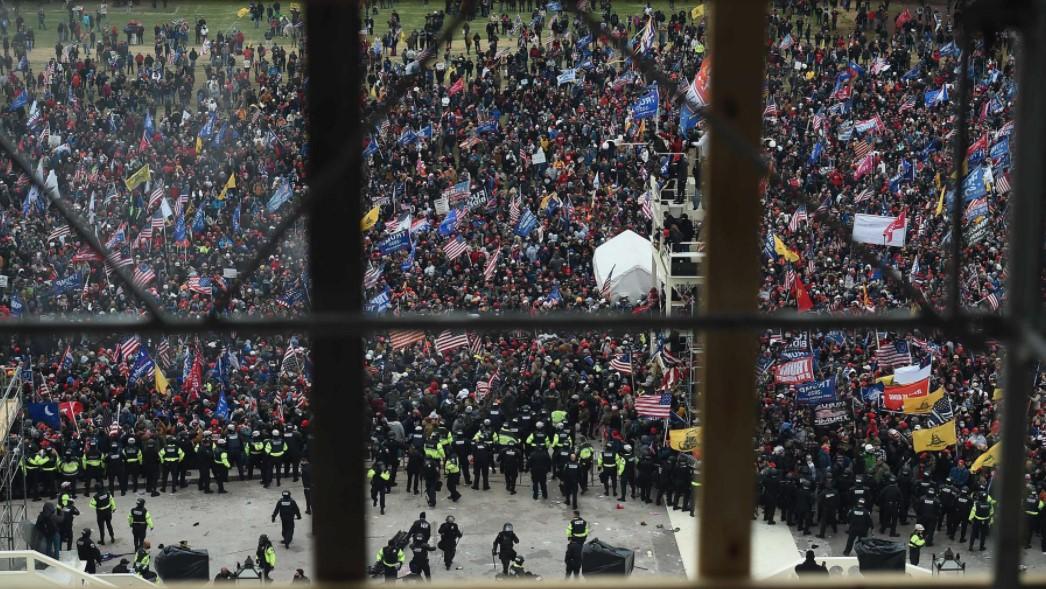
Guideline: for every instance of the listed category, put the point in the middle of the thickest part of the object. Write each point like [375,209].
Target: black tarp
[600,558]
[877,554]
[175,563]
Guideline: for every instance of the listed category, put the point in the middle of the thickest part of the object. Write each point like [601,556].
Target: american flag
[657,405]
[292,360]
[128,348]
[448,342]
[143,275]
[524,155]
[179,205]
[145,236]
[622,363]
[1002,186]
[864,195]
[196,284]
[789,278]
[372,276]
[798,217]
[941,413]
[402,223]
[513,212]
[908,104]
[156,195]
[455,247]
[771,108]
[665,358]
[646,205]
[606,291]
[492,265]
[157,220]
[402,339]
[484,387]
[86,254]
[893,353]
[861,149]
[58,233]
[163,352]
[475,343]
[67,358]
[117,237]
[993,300]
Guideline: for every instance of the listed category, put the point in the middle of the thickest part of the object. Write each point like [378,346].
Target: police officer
[415,466]
[295,446]
[142,560]
[663,480]
[266,554]
[255,454]
[66,512]
[889,506]
[959,518]
[69,469]
[645,471]
[187,447]
[1033,518]
[768,493]
[235,446]
[306,483]
[288,510]
[275,451]
[573,558]
[131,456]
[171,458]
[462,447]
[220,464]
[577,529]
[860,522]
[505,546]
[104,504]
[204,452]
[87,551]
[804,506]
[915,544]
[432,481]
[570,479]
[139,519]
[608,460]
[115,468]
[626,472]
[453,468]
[449,534]
[585,456]
[946,497]
[379,484]
[510,466]
[540,465]
[151,463]
[927,511]
[94,467]
[391,559]
[421,526]
[34,473]
[419,562]
[981,515]
[827,507]
[682,476]
[481,459]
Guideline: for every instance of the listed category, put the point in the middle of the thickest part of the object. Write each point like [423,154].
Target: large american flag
[484,387]
[893,353]
[455,247]
[789,278]
[1002,185]
[771,108]
[157,221]
[658,405]
[475,343]
[492,265]
[402,339]
[372,276]
[128,348]
[196,286]
[448,342]
[993,300]
[861,149]
[156,195]
[58,233]
[163,352]
[513,212]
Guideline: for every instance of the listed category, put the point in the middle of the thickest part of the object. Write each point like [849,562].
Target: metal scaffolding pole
[339,439]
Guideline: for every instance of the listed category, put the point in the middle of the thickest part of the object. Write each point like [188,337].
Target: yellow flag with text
[161,382]
[923,404]
[142,176]
[782,250]
[987,460]
[369,220]
[935,439]
[685,440]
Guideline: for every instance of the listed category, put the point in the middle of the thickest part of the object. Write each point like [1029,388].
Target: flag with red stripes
[448,341]
[401,339]
[658,405]
[492,265]
[455,247]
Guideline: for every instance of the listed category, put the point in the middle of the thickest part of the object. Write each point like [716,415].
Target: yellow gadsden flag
[685,440]
[230,183]
[369,220]
[243,12]
[987,460]
[923,404]
[935,439]
[697,12]
[161,382]
[782,250]
[142,176]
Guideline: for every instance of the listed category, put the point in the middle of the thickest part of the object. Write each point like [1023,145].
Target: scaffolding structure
[14,504]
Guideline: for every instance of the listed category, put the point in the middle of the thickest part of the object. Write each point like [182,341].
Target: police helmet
[507,528]
[419,537]
[256,434]
[221,441]
[417,428]
[286,493]
[486,423]
[86,532]
[519,559]
[861,501]
[141,502]
[275,432]
[919,528]
[130,440]
[628,448]
[450,519]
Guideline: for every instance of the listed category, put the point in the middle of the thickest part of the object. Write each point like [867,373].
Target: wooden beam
[731,228]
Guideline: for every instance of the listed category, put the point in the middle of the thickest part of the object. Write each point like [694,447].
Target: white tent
[630,258]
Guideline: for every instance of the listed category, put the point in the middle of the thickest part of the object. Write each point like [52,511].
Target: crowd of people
[180,154]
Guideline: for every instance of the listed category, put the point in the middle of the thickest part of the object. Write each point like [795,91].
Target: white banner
[441,205]
[910,374]
[872,229]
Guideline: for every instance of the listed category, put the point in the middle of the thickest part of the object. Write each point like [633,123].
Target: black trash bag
[600,558]
[878,554]
[175,563]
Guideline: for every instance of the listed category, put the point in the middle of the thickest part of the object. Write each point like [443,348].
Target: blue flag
[71,282]
[932,97]
[19,101]
[179,228]
[236,219]
[380,302]
[914,73]
[197,222]
[150,127]
[815,153]
[647,105]
[816,392]
[46,413]
[143,367]
[449,223]
[222,410]
[17,308]
[687,119]
[527,223]
[283,194]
